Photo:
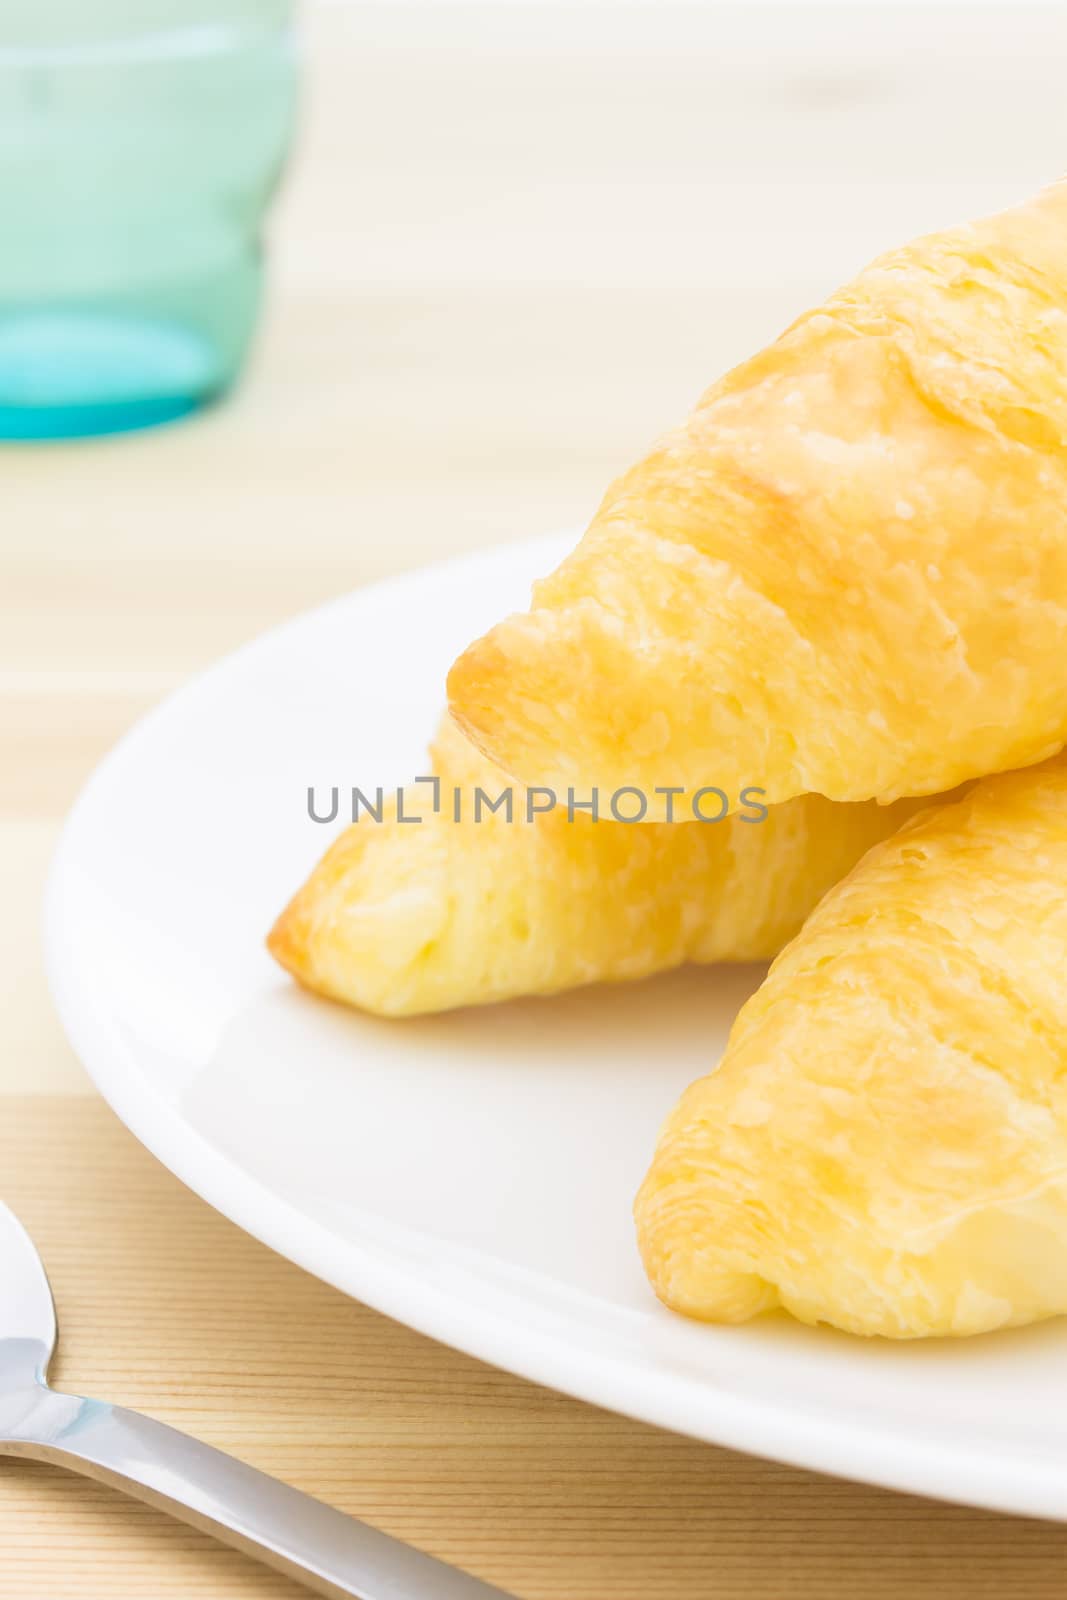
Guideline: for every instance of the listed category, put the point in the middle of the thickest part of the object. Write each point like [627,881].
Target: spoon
[304,1538]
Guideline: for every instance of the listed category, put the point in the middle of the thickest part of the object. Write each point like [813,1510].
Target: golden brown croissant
[884,1145]
[402,918]
[847,573]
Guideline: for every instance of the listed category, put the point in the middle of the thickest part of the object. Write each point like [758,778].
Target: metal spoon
[333,1554]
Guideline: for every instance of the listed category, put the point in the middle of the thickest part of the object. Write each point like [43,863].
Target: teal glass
[140,144]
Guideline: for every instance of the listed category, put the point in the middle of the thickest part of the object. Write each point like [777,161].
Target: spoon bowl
[27,1315]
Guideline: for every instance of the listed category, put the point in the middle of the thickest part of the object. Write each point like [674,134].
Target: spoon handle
[331,1553]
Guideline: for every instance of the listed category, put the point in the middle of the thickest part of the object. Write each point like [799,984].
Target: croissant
[402,917]
[884,1144]
[846,573]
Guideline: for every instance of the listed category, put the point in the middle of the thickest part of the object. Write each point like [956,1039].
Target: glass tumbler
[140,143]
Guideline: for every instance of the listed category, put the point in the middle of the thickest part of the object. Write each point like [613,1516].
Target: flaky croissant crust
[403,917]
[884,1145]
[846,574]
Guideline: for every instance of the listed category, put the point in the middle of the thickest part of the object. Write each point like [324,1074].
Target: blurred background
[514,241]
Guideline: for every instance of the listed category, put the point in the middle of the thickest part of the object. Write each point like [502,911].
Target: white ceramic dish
[470,1175]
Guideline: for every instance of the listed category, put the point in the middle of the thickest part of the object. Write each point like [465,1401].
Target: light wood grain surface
[516,242]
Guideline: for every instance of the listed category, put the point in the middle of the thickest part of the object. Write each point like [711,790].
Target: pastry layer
[845,574]
[884,1144]
[403,917]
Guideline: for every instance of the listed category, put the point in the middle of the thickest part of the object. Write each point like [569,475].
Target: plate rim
[738,1420]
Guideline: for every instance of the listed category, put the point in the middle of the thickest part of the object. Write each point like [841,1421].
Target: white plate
[470,1175]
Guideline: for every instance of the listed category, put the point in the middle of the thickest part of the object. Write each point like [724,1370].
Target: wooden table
[517,242]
